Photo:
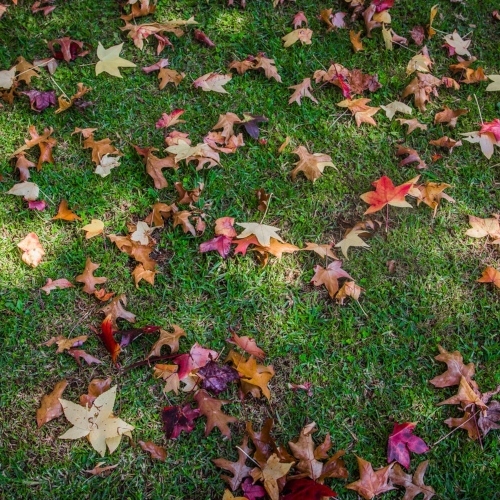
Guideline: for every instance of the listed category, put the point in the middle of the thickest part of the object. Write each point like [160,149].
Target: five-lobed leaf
[110,60]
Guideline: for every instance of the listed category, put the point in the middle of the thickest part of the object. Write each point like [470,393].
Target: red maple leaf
[492,127]
[177,419]
[402,441]
[387,194]
[221,244]
[299,489]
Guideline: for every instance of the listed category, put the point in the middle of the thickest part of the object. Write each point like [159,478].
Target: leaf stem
[267,207]
[455,429]
[479,109]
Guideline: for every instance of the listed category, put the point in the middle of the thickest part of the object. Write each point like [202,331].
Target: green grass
[369,363]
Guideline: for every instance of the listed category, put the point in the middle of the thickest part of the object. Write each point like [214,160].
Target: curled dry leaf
[490,275]
[269,473]
[449,116]
[156,452]
[330,277]
[302,90]
[33,251]
[396,107]
[415,485]
[413,124]
[372,482]
[302,34]
[50,407]
[238,469]
[312,165]
[413,157]
[116,309]
[355,39]
[168,338]
[456,369]
[247,344]
[212,82]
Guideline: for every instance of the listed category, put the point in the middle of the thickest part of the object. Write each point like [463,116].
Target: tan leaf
[26,70]
[352,239]
[95,228]
[269,474]
[239,469]
[87,277]
[100,470]
[53,285]
[212,82]
[169,374]
[495,86]
[366,117]
[262,232]
[211,409]
[110,60]
[32,250]
[167,76]
[29,190]
[321,250]
[329,277]
[484,227]
[50,407]
[167,338]
[302,90]
[302,34]
[431,194]
[456,369]
[355,39]
[415,485]
[396,107]
[312,165]
[413,124]
[372,482]
[116,310]
[449,116]
[139,274]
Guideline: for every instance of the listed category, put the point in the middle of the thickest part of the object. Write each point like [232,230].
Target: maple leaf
[251,124]
[167,76]
[396,107]
[484,227]
[116,310]
[402,441]
[53,285]
[79,353]
[23,165]
[162,63]
[211,409]
[7,78]
[413,485]
[266,64]
[98,470]
[139,274]
[351,239]
[95,228]
[182,219]
[212,82]
[355,39]
[413,124]
[215,378]
[321,250]
[66,48]
[247,344]
[456,369]
[197,358]
[412,157]
[299,489]
[302,90]
[431,194]
[312,165]
[74,100]
[495,86]
[422,86]
[372,482]
[490,275]
[387,194]
[155,165]
[468,395]
[467,423]
[170,119]
[221,244]
[26,70]
[65,213]
[29,190]
[449,116]
[110,60]
[252,491]
[262,232]
[177,419]
[492,127]
[487,421]
[329,277]
[44,142]
[302,34]
[156,452]
[44,6]
[420,62]
[446,143]
[50,407]
[97,423]
[270,472]
[238,469]
[169,374]
[33,251]
[298,19]
[40,100]
[87,277]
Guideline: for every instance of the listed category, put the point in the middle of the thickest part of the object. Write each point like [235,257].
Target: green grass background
[369,363]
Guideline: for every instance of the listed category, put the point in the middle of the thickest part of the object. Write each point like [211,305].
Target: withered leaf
[312,165]
[33,251]
[156,452]
[329,277]
[116,309]
[211,409]
[413,485]
[64,213]
[100,470]
[168,338]
[238,469]
[215,377]
[247,344]
[413,157]
[50,407]
[177,419]
[270,472]
[88,278]
[372,482]
[456,369]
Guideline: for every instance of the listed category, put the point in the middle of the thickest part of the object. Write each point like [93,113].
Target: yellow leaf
[110,60]
[93,229]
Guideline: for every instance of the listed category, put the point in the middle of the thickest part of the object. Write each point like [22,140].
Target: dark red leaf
[177,419]
[217,377]
[202,38]
[300,489]
[251,124]
[67,49]
[382,4]
[252,491]
[108,340]
[40,100]
[402,441]
[221,244]
[128,336]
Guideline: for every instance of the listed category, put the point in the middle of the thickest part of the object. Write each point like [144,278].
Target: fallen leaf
[29,190]
[156,452]
[95,228]
[387,194]
[431,194]
[420,62]
[299,489]
[215,377]
[459,45]
[238,469]
[298,19]
[78,354]
[418,34]
[348,289]
[355,39]
[247,344]
[302,34]
[322,250]
[431,31]
[329,277]
[372,482]
[270,472]
[40,100]
[396,107]
[412,157]
[106,164]
[170,119]
[229,496]
[177,419]
[446,143]
[262,232]
[97,423]
[110,60]
[50,407]
[7,78]
[211,409]
[33,251]
[116,310]
[402,441]
[65,213]
[422,86]
[415,485]
[212,82]
[155,165]
[456,369]
[467,422]
[492,127]
[302,90]
[312,165]
[169,374]
[53,285]
[26,70]
[495,86]
[484,227]
[167,76]
[413,124]
[88,278]
[221,244]
[351,239]
[139,274]
[107,338]
[490,275]
[202,38]
[98,469]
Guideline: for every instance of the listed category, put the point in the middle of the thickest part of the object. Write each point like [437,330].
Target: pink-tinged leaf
[402,441]
[338,19]
[252,491]
[381,5]
[163,42]
[346,90]
[492,127]
[40,100]
[202,38]
[243,244]
[177,419]
[168,120]
[418,34]
[80,353]
[197,358]
[215,377]
[225,226]
[162,63]
[37,205]
[298,19]
[305,488]
[221,244]
[52,285]
[247,344]
[306,386]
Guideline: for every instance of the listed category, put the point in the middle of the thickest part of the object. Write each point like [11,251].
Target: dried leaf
[50,407]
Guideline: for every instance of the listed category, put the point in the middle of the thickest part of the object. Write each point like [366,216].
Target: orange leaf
[387,194]
[64,213]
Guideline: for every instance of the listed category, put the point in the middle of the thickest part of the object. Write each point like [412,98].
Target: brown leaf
[33,251]
[211,409]
[372,482]
[431,193]
[413,485]
[467,422]
[159,214]
[304,450]
[456,369]
[312,165]
[422,86]
[96,387]
[167,76]
[474,76]
[412,157]
[302,90]
[155,165]
[467,396]
[156,452]
[170,375]
[167,338]
[26,70]
[64,213]
[182,218]
[413,124]
[329,277]
[349,289]
[321,250]
[53,285]
[247,344]
[449,116]
[239,469]
[87,277]
[188,196]
[487,421]
[270,473]
[116,310]
[490,275]
[446,143]
[355,39]
[98,469]
[23,165]
[262,62]
[50,407]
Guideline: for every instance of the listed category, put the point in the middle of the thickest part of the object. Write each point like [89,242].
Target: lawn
[369,363]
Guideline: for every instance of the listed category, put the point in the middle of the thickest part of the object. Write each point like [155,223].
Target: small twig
[55,83]
[387,218]
[405,47]
[455,429]
[267,207]
[479,109]
[338,118]
[361,307]
[248,456]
